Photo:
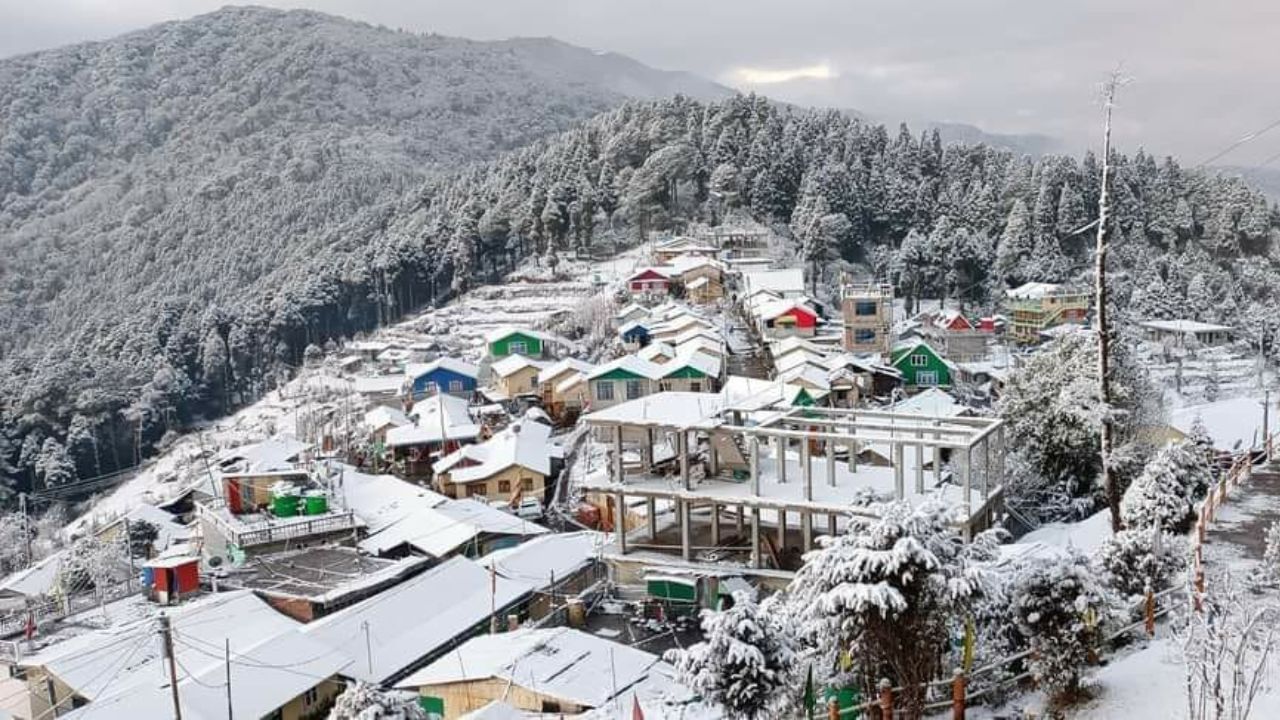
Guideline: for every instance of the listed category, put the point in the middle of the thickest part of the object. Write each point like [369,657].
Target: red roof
[647,274]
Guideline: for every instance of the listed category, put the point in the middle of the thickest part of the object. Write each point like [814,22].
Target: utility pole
[227,656]
[128,551]
[26,529]
[1109,485]
[368,646]
[167,633]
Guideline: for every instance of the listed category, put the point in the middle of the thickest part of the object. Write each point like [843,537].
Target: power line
[1247,138]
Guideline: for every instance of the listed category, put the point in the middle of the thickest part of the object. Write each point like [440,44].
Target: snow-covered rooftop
[570,364]
[551,557]
[437,417]
[1184,326]
[666,409]
[513,364]
[788,281]
[558,662]
[448,600]
[521,443]
[629,363]
[461,367]
[383,416]
[931,402]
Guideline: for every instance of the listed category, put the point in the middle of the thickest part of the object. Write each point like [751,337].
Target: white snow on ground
[1229,422]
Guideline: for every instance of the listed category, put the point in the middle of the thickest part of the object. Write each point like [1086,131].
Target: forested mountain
[182,306]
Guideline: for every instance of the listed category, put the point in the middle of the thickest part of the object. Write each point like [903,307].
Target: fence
[1152,607]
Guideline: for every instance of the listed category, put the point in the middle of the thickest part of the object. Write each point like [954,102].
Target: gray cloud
[1200,70]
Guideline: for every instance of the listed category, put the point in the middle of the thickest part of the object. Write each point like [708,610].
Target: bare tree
[1109,485]
[1227,651]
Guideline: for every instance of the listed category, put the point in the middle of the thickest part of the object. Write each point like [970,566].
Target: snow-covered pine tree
[364,701]
[1134,558]
[886,596]
[1166,491]
[746,661]
[1059,606]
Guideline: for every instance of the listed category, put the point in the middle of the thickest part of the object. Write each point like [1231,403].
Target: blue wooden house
[634,334]
[445,375]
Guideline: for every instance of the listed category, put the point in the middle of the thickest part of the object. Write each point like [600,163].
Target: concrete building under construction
[755,480]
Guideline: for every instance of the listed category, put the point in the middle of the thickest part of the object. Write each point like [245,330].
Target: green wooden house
[921,366]
[508,341]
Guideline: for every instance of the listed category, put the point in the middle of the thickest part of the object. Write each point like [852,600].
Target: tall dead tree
[1109,485]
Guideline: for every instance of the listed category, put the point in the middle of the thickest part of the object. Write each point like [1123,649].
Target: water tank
[317,503]
[284,500]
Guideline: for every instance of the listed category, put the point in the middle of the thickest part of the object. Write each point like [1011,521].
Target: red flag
[636,712]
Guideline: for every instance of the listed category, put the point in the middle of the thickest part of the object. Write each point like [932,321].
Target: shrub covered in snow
[744,663]
[1133,557]
[886,596]
[363,701]
[1166,491]
[1059,605]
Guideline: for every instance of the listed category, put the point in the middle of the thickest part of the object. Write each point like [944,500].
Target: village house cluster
[460,535]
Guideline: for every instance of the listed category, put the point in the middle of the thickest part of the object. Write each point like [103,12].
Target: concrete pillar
[968,480]
[620,521]
[937,460]
[715,524]
[713,457]
[832,527]
[782,529]
[651,509]
[806,529]
[897,456]
[853,449]
[646,452]
[682,451]
[686,544]
[617,453]
[1001,451]
[919,466]
[756,559]
[781,447]
[753,450]
[831,463]
[806,469]
[986,466]
[739,520]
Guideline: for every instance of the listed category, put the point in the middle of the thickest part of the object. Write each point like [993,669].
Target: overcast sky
[1203,72]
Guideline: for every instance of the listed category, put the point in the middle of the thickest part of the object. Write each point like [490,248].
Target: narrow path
[1237,537]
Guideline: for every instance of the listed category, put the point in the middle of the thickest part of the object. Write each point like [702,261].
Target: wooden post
[886,699]
[958,683]
[1199,584]
[1150,612]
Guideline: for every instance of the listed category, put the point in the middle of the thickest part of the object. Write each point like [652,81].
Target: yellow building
[554,671]
[515,461]
[563,385]
[516,375]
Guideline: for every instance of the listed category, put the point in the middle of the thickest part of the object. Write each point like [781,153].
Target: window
[604,390]
[517,347]
[695,386]
[310,697]
[634,389]
[526,484]
[919,360]
[504,486]
[455,386]
[864,335]
[432,388]
[864,308]
[927,377]
[475,489]
[664,386]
